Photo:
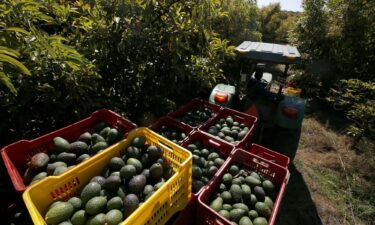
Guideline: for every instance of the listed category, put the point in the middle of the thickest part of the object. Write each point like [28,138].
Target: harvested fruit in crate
[127,182]
[172,134]
[244,197]
[206,162]
[197,116]
[66,155]
[229,130]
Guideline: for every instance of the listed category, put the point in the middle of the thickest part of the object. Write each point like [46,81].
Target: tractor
[275,101]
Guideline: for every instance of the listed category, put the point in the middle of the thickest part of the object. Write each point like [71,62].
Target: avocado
[168,173]
[85,137]
[133,152]
[113,136]
[236,192]
[139,141]
[158,185]
[259,193]
[156,171]
[79,218]
[114,203]
[237,214]
[61,145]
[197,185]
[59,213]
[98,179]
[260,221]
[91,190]
[219,162]
[39,162]
[246,192]
[191,147]
[131,203]
[224,213]
[229,139]
[252,181]
[236,181]
[268,201]
[226,196]
[121,192]
[262,209]
[255,174]
[137,184]
[196,172]
[39,177]
[97,147]
[217,204]
[253,214]
[112,183]
[96,138]
[253,200]
[212,171]
[28,176]
[227,178]
[98,219]
[65,223]
[154,152]
[136,163]
[104,132]
[146,173]
[116,163]
[82,158]
[78,147]
[59,170]
[113,217]
[213,156]
[241,134]
[227,207]
[245,221]
[148,189]
[76,203]
[234,170]
[96,205]
[240,206]
[268,186]
[68,158]
[222,187]
[127,172]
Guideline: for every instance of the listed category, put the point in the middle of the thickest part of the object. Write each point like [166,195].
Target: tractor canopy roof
[268,52]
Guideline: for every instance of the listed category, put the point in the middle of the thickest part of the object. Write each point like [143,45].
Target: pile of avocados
[244,197]
[126,183]
[229,130]
[197,116]
[172,134]
[206,162]
[65,155]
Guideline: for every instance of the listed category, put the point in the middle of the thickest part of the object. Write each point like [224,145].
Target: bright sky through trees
[290,5]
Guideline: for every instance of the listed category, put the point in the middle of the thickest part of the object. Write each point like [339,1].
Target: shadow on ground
[297,207]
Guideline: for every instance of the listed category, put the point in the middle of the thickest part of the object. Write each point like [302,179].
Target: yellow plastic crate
[172,197]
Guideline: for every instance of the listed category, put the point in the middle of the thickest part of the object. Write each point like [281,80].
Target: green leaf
[17,29]
[15,63]
[6,81]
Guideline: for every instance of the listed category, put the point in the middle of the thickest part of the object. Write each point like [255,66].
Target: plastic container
[224,149]
[270,155]
[188,215]
[169,122]
[194,104]
[240,117]
[172,197]
[16,155]
[277,174]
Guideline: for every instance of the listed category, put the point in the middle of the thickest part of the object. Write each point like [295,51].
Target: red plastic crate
[194,104]
[223,148]
[270,155]
[16,155]
[170,122]
[277,174]
[188,215]
[240,117]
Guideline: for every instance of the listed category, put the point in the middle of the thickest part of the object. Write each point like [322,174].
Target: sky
[290,5]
